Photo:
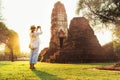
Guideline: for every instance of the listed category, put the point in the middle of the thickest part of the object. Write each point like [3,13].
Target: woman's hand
[38,27]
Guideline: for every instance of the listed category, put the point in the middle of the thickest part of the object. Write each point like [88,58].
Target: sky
[19,15]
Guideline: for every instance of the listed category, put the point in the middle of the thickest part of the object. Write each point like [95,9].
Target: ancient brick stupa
[59,26]
[59,30]
[81,44]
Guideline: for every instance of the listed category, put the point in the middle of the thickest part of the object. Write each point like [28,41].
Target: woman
[34,45]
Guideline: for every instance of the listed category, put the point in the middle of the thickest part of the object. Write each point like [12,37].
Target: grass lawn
[19,70]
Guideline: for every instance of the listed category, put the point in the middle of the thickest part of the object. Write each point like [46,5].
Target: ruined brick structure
[58,26]
[74,45]
[59,31]
[82,45]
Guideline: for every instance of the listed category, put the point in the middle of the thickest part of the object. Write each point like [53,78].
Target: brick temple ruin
[75,44]
[58,26]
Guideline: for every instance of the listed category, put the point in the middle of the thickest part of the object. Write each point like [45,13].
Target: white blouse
[34,39]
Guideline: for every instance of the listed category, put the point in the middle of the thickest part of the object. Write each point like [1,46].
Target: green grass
[19,70]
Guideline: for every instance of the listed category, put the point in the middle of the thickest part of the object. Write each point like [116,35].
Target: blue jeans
[34,56]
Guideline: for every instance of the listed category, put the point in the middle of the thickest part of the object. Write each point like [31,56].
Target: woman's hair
[32,28]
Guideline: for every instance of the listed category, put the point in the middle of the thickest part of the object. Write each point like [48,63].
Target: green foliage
[105,10]
[13,42]
[10,38]
[47,71]
[4,32]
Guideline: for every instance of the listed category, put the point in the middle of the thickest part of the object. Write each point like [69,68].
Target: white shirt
[34,39]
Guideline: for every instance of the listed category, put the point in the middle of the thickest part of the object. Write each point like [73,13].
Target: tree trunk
[12,56]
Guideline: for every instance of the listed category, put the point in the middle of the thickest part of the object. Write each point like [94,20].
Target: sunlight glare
[2,46]
[104,37]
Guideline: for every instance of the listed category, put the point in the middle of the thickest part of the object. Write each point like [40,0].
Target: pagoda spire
[59,25]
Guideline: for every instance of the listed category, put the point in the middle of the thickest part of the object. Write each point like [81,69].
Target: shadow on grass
[45,76]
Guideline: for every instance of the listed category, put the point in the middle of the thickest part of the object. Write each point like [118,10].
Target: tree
[10,38]
[13,44]
[104,10]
